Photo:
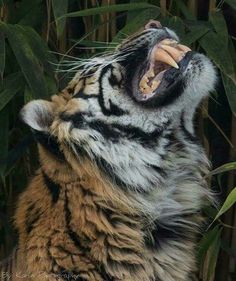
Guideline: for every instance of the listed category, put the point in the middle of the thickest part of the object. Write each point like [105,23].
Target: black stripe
[190,137]
[77,119]
[82,95]
[159,170]
[50,143]
[52,187]
[108,170]
[32,215]
[113,80]
[160,233]
[73,235]
[105,276]
[76,240]
[106,130]
[115,132]
[114,109]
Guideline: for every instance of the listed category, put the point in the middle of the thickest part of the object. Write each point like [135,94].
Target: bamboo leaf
[132,14]
[17,152]
[28,62]
[92,44]
[39,48]
[30,13]
[213,256]
[196,32]
[27,95]
[109,8]
[224,168]
[230,90]
[232,3]
[218,21]
[206,242]
[176,24]
[184,9]
[12,84]
[4,127]
[136,23]
[60,8]
[2,53]
[229,202]
[214,47]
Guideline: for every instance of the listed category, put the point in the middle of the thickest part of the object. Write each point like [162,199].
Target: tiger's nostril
[153,24]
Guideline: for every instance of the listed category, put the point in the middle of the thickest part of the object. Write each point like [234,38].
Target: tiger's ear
[38,114]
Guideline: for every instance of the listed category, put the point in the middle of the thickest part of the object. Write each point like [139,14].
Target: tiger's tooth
[155,84]
[176,54]
[168,42]
[184,48]
[150,73]
[163,56]
[146,90]
[143,81]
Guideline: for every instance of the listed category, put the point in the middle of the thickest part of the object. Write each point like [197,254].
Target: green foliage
[229,202]
[33,34]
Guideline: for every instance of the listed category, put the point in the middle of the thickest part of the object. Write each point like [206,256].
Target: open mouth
[166,62]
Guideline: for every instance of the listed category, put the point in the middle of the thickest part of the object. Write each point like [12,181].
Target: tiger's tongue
[168,53]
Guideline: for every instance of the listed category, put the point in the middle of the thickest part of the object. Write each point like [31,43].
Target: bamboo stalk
[49,5]
[192,5]
[225,261]
[102,29]
[212,5]
[112,23]
[163,7]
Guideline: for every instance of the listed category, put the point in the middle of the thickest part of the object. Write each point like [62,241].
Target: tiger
[121,185]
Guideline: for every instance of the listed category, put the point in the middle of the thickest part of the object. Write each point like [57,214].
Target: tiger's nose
[153,24]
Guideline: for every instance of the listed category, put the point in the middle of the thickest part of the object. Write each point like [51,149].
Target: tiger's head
[120,109]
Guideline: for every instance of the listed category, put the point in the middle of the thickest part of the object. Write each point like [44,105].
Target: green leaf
[229,202]
[27,95]
[51,85]
[213,253]
[39,48]
[26,12]
[206,242]
[232,3]
[214,47]
[232,51]
[230,90]
[60,8]
[33,17]
[196,32]
[89,43]
[4,127]
[224,168]
[2,54]
[136,23]
[108,8]
[176,24]
[218,21]
[184,9]
[17,152]
[12,84]
[28,62]
[132,14]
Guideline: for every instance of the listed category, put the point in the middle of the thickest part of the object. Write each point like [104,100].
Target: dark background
[38,42]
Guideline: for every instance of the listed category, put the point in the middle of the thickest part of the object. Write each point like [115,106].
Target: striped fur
[119,192]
